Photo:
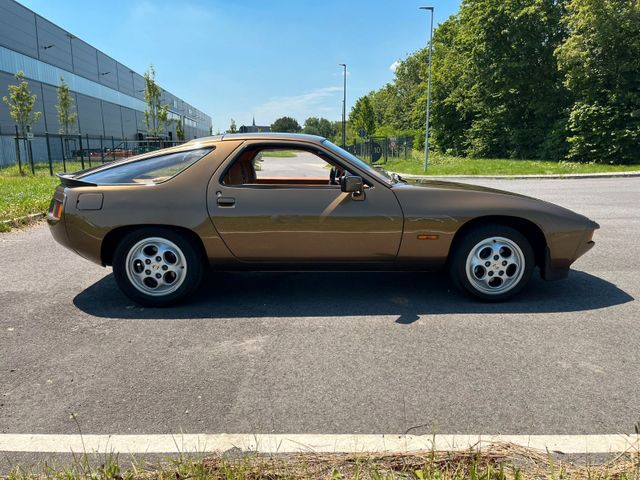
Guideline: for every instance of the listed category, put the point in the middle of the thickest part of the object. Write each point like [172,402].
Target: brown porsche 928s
[299,202]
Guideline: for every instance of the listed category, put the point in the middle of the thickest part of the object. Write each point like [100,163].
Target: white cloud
[394,66]
[314,103]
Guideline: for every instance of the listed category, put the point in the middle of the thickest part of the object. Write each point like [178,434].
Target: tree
[362,115]
[232,127]
[496,86]
[20,103]
[600,59]
[180,130]
[155,116]
[319,126]
[65,107]
[286,125]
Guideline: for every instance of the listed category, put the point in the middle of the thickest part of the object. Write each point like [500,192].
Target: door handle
[226,201]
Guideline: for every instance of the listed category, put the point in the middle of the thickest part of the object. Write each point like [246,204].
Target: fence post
[33,170]
[64,160]
[88,150]
[49,154]
[101,149]
[113,148]
[81,152]
[18,152]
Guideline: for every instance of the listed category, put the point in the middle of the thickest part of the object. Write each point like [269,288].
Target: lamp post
[426,139]
[344,106]
[71,37]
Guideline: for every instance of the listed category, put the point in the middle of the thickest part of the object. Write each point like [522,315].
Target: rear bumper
[57,226]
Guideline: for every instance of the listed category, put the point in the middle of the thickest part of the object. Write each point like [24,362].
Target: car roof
[259,136]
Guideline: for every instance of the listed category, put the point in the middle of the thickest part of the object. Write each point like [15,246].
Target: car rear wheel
[492,263]
[157,267]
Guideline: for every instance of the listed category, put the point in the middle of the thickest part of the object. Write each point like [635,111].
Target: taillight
[55,209]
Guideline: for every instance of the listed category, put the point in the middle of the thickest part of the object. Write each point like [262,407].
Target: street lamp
[426,139]
[71,37]
[344,106]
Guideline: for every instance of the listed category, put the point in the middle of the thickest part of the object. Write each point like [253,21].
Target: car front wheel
[492,263]
[157,267]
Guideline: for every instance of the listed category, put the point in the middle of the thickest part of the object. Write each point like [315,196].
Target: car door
[283,208]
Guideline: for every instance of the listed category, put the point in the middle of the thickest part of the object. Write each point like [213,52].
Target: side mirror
[351,184]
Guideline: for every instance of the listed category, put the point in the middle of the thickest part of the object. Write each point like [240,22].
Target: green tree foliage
[350,134]
[20,103]
[601,62]
[497,90]
[319,126]
[362,116]
[180,130]
[496,86]
[155,116]
[286,125]
[65,107]
[232,127]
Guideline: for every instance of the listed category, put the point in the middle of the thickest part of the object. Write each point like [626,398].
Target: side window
[282,166]
[292,164]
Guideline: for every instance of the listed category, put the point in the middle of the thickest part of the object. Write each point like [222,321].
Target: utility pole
[426,140]
[344,106]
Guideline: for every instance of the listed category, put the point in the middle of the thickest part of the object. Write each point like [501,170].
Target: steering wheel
[334,175]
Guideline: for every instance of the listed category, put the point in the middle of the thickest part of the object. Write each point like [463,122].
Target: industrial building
[108,96]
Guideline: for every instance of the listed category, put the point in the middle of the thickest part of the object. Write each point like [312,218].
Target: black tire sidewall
[193,258]
[457,268]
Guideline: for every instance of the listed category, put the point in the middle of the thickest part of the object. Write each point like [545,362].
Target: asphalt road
[329,352]
[302,165]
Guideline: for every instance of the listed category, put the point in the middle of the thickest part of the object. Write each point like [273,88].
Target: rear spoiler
[68,181]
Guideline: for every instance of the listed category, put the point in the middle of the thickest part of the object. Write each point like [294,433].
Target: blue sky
[268,58]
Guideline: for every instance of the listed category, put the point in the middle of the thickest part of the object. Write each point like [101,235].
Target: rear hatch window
[150,170]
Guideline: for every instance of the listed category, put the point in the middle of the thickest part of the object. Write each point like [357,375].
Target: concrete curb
[568,176]
[22,220]
[300,443]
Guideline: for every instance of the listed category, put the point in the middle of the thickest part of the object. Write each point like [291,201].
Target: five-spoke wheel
[492,262]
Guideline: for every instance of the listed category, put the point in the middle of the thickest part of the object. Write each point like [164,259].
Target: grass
[497,462]
[440,164]
[279,153]
[26,195]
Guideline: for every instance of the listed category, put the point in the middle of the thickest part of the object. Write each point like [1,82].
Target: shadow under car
[342,294]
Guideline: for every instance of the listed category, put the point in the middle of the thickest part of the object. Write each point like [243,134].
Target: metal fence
[63,153]
[378,150]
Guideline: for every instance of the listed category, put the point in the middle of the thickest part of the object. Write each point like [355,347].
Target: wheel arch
[532,232]
[113,238]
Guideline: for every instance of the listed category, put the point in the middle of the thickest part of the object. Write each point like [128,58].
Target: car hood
[461,195]
[447,185]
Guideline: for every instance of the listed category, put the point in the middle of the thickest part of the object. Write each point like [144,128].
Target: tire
[157,267]
[492,263]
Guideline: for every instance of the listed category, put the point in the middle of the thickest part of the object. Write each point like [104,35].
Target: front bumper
[557,269]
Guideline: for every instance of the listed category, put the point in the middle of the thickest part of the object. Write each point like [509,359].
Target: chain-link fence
[68,153]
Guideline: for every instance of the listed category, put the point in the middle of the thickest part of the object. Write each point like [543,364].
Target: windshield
[380,174]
